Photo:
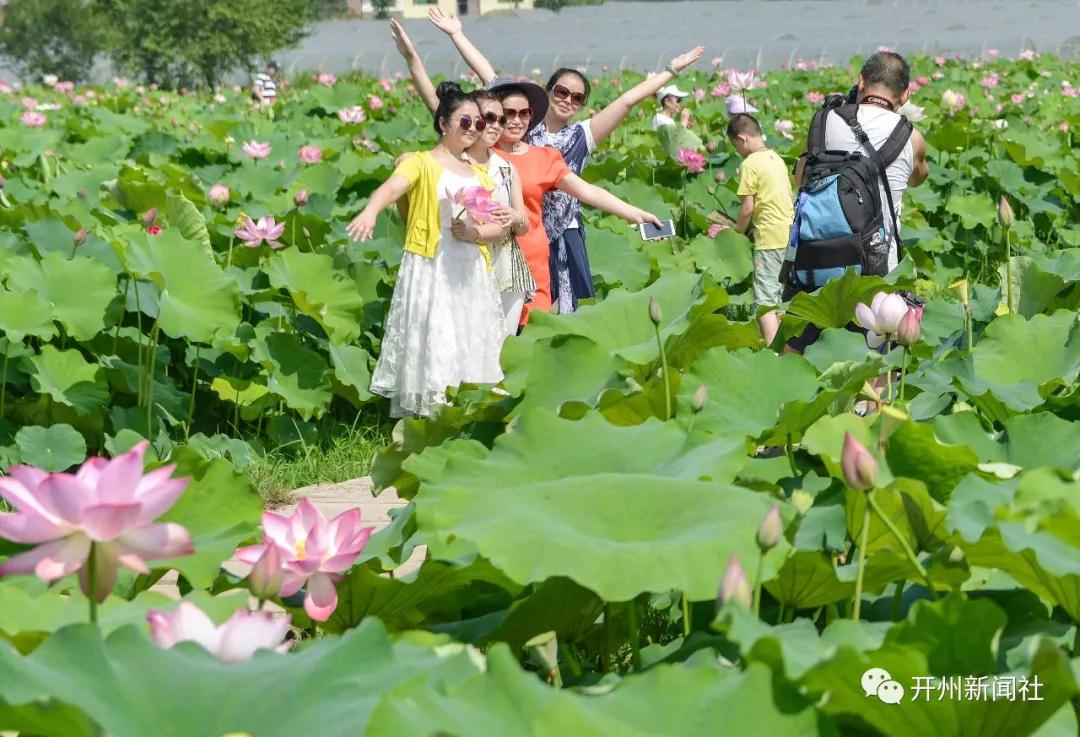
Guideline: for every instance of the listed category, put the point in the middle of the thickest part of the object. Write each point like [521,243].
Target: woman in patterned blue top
[568,91]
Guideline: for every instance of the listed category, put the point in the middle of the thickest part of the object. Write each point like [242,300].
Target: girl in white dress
[445,324]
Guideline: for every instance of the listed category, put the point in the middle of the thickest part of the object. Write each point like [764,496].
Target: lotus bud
[149,217]
[306,232]
[1005,213]
[80,192]
[701,396]
[860,468]
[267,575]
[908,331]
[771,529]
[229,140]
[654,311]
[961,289]
[735,586]
[80,237]
[218,195]
[301,198]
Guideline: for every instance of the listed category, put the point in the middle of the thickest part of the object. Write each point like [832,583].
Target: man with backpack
[861,155]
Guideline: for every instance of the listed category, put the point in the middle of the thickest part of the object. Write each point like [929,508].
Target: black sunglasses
[493,119]
[466,122]
[525,114]
[561,93]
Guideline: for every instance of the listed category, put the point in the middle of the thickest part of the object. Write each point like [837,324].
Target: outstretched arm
[416,67]
[607,120]
[363,225]
[601,199]
[451,26]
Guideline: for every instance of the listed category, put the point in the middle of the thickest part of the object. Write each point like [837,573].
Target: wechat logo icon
[878,682]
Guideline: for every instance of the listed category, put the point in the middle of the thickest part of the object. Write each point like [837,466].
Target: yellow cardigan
[423,229]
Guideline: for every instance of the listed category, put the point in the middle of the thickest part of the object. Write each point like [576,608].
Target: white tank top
[878,124]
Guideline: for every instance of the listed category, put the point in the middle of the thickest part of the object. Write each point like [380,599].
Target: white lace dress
[446,321]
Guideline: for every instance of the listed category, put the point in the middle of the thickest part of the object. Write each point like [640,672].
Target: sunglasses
[493,119]
[525,114]
[466,122]
[561,93]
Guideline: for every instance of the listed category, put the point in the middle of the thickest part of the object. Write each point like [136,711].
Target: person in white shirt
[264,88]
[670,99]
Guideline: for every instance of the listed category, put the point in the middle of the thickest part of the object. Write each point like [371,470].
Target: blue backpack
[839,217]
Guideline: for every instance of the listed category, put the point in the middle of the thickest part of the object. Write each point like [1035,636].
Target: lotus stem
[150,383]
[1008,272]
[91,575]
[757,584]
[903,374]
[900,539]
[667,380]
[970,329]
[789,449]
[888,387]
[780,614]
[686,624]
[898,600]
[194,387]
[605,652]
[3,378]
[139,352]
[864,535]
[228,259]
[635,635]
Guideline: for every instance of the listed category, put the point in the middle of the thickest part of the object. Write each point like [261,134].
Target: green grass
[345,456]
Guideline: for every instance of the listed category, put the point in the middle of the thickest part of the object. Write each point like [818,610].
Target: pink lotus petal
[186,623]
[276,526]
[157,492]
[153,542]
[117,479]
[67,495]
[293,583]
[51,560]
[103,522]
[874,340]
[246,632]
[865,316]
[890,312]
[28,476]
[321,599]
[250,554]
[30,529]
[90,471]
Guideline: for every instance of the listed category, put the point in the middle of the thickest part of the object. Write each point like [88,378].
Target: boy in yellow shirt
[765,189]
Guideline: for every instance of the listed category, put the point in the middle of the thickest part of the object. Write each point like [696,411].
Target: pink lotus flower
[735,586]
[721,176]
[1018,98]
[882,318]
[218,195]
[859,467]
[952,102]
[32,119]
[477,202]
[739,104]
[64,86]
[256,150]
[1064,127]
[939,61]
[814,97]
[992,53]
[692,160]
[154,230]
[923,81]
[327,79]
[386,84]
[313,551]
[721,90]
[352,114]
[310,154]
[375,102]
[233,642]
[699,94]
[989,82]
[1028,55]
[120,82]
[107,507]
[785,128]
[740,80]
[300,198]
[29,103]
[800,64]
[715,228]
[253,233]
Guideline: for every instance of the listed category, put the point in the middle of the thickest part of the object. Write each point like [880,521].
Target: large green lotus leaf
[684,700]
[69,379]
[914,452]
[708,328]
[620,324]
[81,311]
[1033,289]
[953,633]
[352,366]
[219,507]
[557,605]
[566,368]
[438,588]
[746,389]
[646,196]
[728,258]
[810,579]
[319,290]
[298,374]
[973,209]
[620,510]
[198,300]
[618,259]
[1002,360]
[833,306]
[24,313]
[55,448]
[1042,439]
[185,217]
[131,688]
[50,235]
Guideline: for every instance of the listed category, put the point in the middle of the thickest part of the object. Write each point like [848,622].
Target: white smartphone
[650,232]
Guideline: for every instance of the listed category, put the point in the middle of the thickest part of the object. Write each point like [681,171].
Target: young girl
[512,275]
[568,91]
[445,324]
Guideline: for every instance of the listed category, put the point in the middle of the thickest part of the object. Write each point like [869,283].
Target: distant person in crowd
[881,90]
[445,324]
[264,89]
[765,189]
[670,98]
[512,275]
[568,90]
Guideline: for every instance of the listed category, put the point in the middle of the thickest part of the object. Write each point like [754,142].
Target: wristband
[672,69]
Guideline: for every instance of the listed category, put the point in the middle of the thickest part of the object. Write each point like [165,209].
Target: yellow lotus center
[301,548]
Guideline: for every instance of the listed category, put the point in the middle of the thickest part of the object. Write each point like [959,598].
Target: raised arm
[607,120]
[451,26]
[921,169]
[363,225]
[416,67]
[601,199]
